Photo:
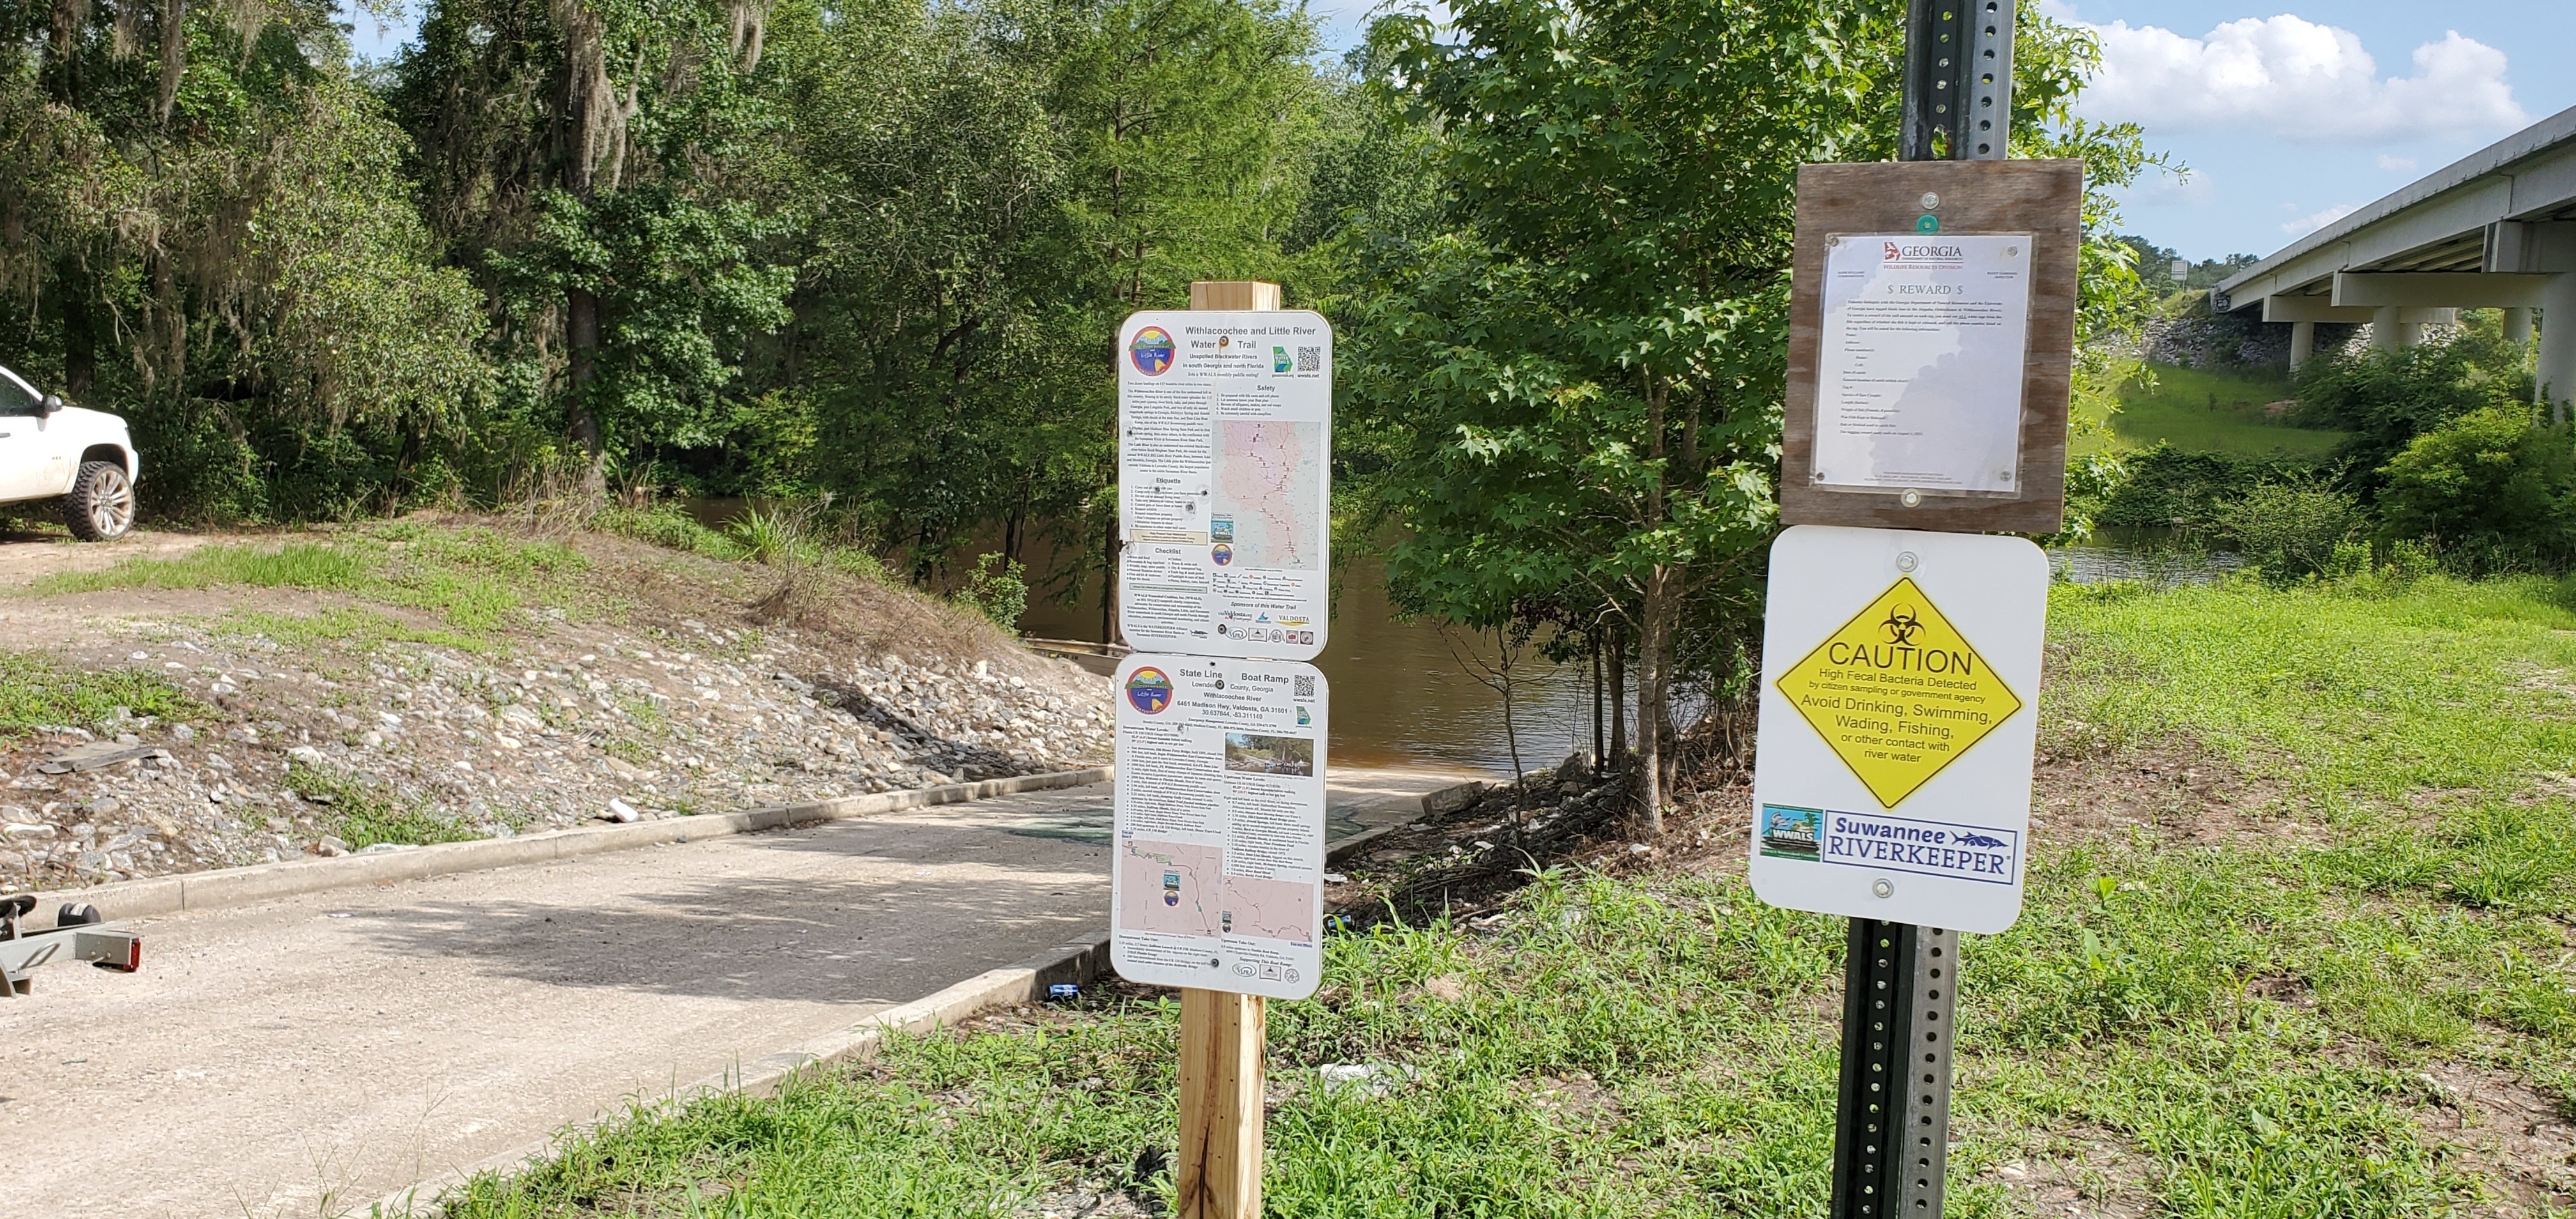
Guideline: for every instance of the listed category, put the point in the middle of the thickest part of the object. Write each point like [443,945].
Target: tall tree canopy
[1587,351]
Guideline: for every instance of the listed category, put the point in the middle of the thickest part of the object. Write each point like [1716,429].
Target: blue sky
[2290,117]
[2286,116]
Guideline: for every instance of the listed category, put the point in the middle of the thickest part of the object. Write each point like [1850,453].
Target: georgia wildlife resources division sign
[1225,493]
[1217,841]
[1900,689]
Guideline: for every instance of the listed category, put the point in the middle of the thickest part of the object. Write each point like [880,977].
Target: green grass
[293,565]
[2201,410]
[364,816]
[475,579]
[2246,1016]
[38,693]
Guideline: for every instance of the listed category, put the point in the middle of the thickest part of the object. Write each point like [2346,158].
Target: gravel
[584,723]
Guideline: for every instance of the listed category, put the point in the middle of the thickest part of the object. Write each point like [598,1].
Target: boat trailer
[80,933]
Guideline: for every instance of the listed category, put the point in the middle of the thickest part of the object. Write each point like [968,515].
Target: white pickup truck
[85,457]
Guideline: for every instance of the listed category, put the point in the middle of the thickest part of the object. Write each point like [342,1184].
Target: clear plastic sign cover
[1225,457]
[1217,846]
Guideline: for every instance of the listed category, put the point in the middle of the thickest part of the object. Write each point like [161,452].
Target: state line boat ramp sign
[1225,494]
[1217,844]
[1900,687]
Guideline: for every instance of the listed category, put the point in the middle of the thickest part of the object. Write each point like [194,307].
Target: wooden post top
[1235,294]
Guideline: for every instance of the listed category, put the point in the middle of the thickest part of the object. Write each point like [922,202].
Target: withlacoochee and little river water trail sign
[1900,685]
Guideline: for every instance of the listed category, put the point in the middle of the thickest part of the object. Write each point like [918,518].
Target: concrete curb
[263,882]
[1078,962]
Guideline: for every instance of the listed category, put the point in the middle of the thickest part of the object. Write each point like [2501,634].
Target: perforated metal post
[1958,80]
[1892,1120]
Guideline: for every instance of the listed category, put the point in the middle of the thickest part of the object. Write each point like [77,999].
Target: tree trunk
[1618,698]
[1654,628]
[1109,582]
[581,348]
[1598,748]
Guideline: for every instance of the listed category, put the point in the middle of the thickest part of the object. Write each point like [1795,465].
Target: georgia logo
[1149,691]
[1152,350]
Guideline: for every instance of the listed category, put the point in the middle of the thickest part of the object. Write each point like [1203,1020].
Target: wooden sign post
[1223,1034]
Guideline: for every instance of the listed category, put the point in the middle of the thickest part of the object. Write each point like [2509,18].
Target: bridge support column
[2558,343]
[2517,327]
[2389,329]
[2303,342]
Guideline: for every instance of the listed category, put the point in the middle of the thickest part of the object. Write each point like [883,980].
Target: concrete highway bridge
[2494,230]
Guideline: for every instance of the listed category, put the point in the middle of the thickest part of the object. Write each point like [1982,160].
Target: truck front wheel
[101,504]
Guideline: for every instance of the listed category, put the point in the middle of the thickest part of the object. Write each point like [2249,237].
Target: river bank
[2296,944]
[193,702]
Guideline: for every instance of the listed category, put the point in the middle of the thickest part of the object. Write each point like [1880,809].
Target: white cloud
[2397,165]
[2313,221]
[2291,77]
[2192,189]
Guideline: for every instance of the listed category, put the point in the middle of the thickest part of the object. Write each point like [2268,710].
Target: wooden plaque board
[2042,198]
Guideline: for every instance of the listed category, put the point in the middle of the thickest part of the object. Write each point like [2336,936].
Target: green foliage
[2388,398]
[363,816]
[998,589]
[293,565]
[669,525]
[36,692]
[218,242]
[2291,529]
[2492,487]
[2166,485]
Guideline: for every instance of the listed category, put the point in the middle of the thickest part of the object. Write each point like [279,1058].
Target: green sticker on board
[1927,223]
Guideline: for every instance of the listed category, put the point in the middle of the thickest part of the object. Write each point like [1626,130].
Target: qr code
[1305,687]
[1310,359]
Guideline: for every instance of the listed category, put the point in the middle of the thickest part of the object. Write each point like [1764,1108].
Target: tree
[1581,369]
[203,214]
[579,155]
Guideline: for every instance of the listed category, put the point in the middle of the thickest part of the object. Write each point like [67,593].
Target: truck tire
[101,504]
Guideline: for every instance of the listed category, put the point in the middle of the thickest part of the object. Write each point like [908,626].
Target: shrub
[2388,398]
[2168,486]
[998,589]
[2491,489]
[2292,529]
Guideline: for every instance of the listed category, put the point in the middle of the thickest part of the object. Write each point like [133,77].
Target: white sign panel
[1920,363]
[1900,693]
[1217,876]
[1225,456]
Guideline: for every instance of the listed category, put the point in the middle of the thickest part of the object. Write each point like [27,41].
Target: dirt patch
[2083,1172]
[28,554]
[2178,792]
[2514,1140]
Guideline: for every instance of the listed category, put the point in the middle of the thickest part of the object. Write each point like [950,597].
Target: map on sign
[1268,489]
[1894,777]
[1173,888]
[1275,909]
[1897,693]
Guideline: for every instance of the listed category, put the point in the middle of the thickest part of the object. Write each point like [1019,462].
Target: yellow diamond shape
[1897,693]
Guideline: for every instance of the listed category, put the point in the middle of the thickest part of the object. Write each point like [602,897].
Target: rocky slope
[628,682]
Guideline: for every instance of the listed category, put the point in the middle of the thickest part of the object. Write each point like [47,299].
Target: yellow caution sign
[1897,693]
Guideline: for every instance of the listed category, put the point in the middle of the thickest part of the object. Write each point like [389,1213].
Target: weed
[294,565]
[37,693]
[366,816]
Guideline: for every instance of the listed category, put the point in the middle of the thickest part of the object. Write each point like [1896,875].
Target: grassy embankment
[2284,996]
[2201,410]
